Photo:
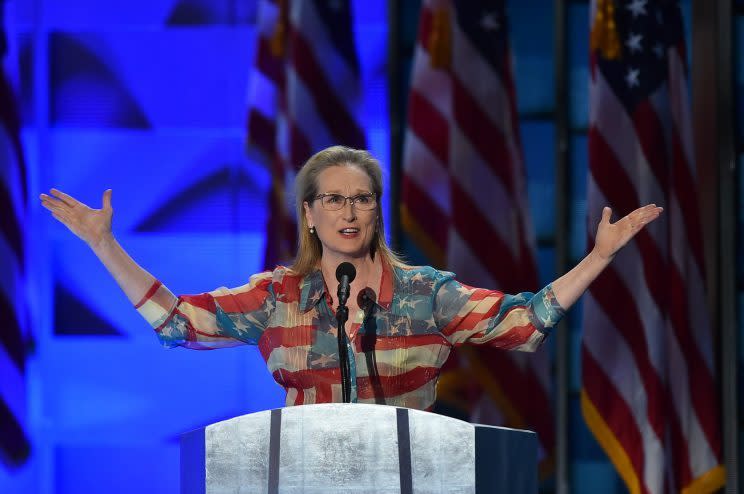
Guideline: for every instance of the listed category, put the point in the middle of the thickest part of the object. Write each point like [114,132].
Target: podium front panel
[358,448]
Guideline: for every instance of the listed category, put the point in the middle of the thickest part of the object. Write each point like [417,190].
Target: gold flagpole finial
[604,37]
[278,39]
[440,39]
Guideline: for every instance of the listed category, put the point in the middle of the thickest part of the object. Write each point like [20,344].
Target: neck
[364,266]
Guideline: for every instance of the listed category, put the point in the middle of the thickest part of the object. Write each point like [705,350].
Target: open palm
[611,237]
[91,225]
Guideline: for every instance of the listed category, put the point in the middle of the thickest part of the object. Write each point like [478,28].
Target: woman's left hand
[611,237]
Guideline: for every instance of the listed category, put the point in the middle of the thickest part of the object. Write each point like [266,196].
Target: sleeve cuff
[546,311]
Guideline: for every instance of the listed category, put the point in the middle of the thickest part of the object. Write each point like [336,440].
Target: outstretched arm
[93,226]
[223,317]
[611,237]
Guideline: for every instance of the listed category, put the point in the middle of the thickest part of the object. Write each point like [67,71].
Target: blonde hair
[309,248]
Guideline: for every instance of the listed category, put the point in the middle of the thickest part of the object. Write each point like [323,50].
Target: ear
[308,214]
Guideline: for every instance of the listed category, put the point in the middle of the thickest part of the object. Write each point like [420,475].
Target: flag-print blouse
[397,343]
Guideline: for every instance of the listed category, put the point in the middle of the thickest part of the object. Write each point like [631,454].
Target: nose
[349,211]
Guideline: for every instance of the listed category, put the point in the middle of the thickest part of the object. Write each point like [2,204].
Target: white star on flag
[637,7]
[490,21]
[634,42]
[631,78]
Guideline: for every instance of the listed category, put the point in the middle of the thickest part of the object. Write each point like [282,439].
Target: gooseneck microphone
[345,274]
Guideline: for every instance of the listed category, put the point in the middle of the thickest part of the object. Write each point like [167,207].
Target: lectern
[356,448]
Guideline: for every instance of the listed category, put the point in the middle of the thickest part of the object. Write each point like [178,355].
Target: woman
[403,320]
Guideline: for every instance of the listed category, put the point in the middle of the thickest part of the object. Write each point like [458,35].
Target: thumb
[606,214]
[107,199]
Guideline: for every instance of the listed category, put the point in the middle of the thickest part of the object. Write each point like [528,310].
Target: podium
[356,448]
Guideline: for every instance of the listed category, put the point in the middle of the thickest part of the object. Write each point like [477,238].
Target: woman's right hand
[91,225]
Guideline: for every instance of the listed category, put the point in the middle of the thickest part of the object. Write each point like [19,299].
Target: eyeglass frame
[350,199]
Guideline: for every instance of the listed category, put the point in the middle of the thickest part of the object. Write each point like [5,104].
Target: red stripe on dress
[430,126]
[382,343]
[246,301]
[468,321]
[202,301]
[395,385]
[601,391]
[149,293]
[277,336]
[307,378]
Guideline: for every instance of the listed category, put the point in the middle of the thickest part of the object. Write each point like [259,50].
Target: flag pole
[561,242]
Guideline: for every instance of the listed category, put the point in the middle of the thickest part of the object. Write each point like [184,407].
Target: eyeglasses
[334,202]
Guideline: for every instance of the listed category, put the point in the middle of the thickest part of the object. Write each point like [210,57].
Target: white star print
[631,78]
[490,21]
[637,7]
[634,42]
[323,360]
[417,278]
[407,302]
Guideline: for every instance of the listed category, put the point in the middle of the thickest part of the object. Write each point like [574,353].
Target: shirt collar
[313,288]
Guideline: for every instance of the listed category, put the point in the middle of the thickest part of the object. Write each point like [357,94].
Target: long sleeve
[475,315]
[221,318]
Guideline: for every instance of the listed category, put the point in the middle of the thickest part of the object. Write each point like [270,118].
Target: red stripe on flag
[606,399]
[487,245]
[261,132]
[335,116]
[269,65]
[429,125]
[618,304]
[700,382]
[426,212]
[483,134]
[686,194]
[650,134]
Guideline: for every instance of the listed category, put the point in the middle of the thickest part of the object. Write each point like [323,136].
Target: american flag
[14,442]
[648,383]
[465,199]
[302,96]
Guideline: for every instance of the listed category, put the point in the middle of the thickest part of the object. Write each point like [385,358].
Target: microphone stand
[342,315]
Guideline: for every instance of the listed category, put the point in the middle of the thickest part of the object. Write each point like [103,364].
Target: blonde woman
[403,320]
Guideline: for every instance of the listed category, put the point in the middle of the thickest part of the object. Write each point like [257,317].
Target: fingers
[62,217]
[52,203]
[643,216]
[68,200]
[107,199]
[606,214]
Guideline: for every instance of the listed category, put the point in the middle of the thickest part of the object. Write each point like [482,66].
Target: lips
[349,232]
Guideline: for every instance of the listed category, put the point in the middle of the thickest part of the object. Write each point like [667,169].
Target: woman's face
[347,232]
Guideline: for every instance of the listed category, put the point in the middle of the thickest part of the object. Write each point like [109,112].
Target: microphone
[345,274]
